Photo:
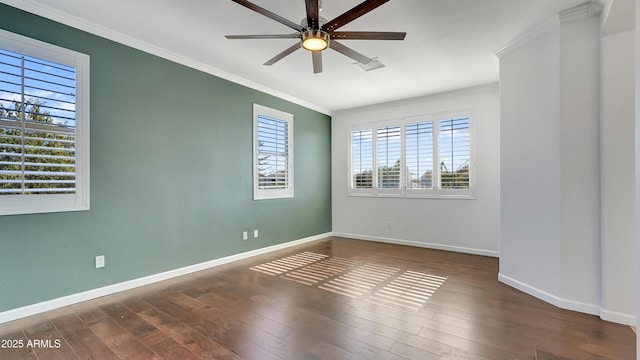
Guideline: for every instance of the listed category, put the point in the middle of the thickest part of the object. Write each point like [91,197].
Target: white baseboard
[618,317]
[459,249]
[572,305]
[53,304]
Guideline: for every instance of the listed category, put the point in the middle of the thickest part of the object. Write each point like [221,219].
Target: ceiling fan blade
[347,51]
[312,14]
[352,14]
[316,56]
[288,51]
[367,35]
[269,14]
[265,36]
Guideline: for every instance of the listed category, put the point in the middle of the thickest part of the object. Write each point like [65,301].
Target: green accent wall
[171,176]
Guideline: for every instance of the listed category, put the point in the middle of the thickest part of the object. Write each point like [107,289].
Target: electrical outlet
[99,261]
[388,224]
[255,234]
[245,235]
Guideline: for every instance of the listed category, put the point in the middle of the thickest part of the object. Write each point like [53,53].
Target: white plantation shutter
[419,155]
[273,157]
[455,153]
[273,153]
[388,157]
[362,159]
[429,156]
[37,126]
[43,127]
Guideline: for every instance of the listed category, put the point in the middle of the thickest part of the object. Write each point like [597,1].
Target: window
[405,153]
[44,127]
[273,153]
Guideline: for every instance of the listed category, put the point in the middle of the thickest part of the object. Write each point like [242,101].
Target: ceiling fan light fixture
[315,40]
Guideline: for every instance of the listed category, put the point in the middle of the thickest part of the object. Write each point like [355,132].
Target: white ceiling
[449,43]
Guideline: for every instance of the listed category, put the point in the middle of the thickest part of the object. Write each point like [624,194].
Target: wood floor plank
[152,338]
[120,341]
[91,315]
[183,300]
[221,329]
[412,352]
[543,355]
[136,304]
[394,322]
[509,339]
[329,352]
[184,334]
[455,346]
[48,343]
[127,319]
[169,349]
[244,344]
[82,340]
[15,347]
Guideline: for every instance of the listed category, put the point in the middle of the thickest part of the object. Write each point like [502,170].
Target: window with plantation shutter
[429,156]
[273,157]
[44,124]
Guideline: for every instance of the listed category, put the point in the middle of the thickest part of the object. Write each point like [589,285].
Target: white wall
[451,224]
[530,176]
[617,172]
[567,217]
[580,158]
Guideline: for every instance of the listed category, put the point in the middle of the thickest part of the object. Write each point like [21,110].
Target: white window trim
[436,192]
[265,194]
[33,204]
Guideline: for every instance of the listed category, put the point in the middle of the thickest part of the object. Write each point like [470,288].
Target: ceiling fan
[316,34]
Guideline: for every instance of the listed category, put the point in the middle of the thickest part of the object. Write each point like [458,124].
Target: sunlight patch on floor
[319,271]
[411,290]
[378,284]
[289,263]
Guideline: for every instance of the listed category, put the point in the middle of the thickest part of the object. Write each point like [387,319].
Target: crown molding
[592,8]
[606,11]
[527,37]
[588,9]
[101,31]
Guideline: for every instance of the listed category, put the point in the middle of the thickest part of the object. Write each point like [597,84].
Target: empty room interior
[304,179]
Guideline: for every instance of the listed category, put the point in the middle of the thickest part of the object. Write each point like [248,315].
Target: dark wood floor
[331,299]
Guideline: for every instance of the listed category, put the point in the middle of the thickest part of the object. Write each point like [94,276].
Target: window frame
[275,193]
[14,204]
[404,191]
